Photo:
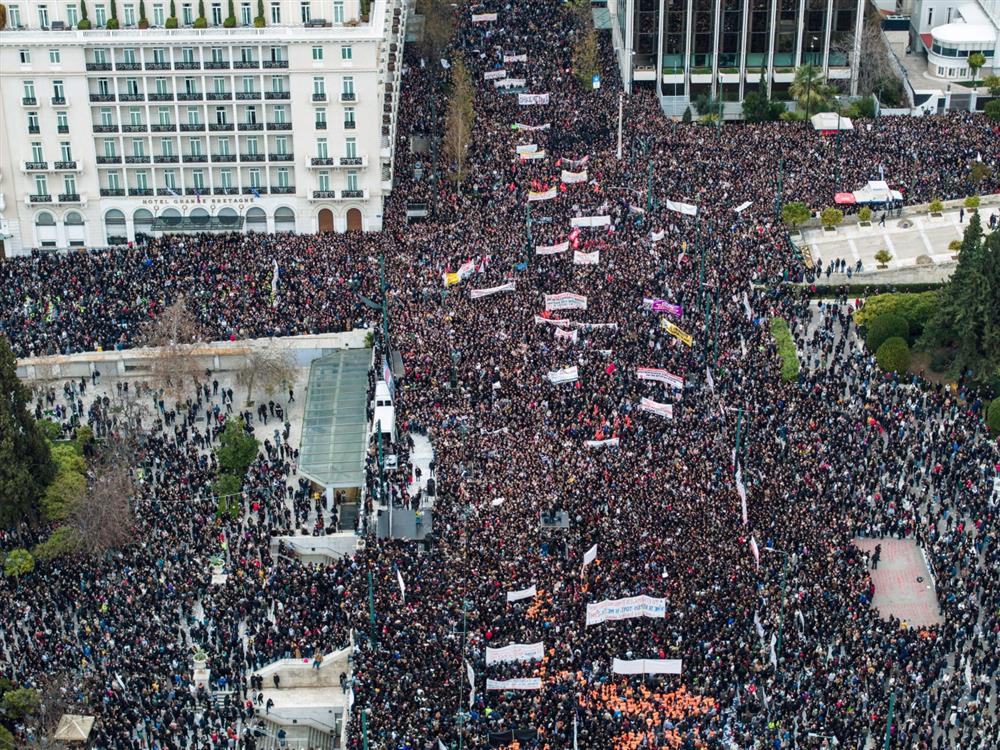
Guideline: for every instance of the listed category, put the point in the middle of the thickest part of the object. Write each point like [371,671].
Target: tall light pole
[784,591]
[621,113]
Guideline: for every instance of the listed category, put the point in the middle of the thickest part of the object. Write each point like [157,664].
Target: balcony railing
[164,97]
[187,66]
[195,158]
[141,159]
[219,96]
[62,128]
[167,191]
[58,101]
[279,126]
[277,95]
[131,97]
[34,166]
[69,197]
[226,191]
[140,191]
[351,161]
[40,198]
[34,129]
[192,127]
[157,66]
[102,97]
[217,65]
[166,159]
[109,159]
[251,157]
[112,192]
[281,157]
[246,64]
[105,128]
[221,126]
[128,66]
[195,191]
[29,101]
[251,126]
[163,127]
[189,96]
[352,194]
[321,125]
[324,194]
[348,96]
[247,96]
[134,128]
[350,124]
[319,97]
[260,189]
[98,66]
[223,157]
[323,161]
[283,190]
[275,64]
[70,164]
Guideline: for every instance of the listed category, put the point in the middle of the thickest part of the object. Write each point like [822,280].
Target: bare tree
[458,121]
[271,368]
[439,28]
[174,334]
[103,518]
[871,58]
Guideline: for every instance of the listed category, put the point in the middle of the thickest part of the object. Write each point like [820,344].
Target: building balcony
[352,161]
[223,157]
[272,64]
[140,191]
[348,96]
[246,64]
[321,125]
[62,128]
[187,66]
[219,96]
[163,127]
[195,191]
[283,190]
[319,97]
[140,159]
[58,101]
[35,166]
[134,128]
[277,95]
[323,161]
[252,157]
[260,189]
[128,66]
[158,66]
[251,126]
[69,197]
[112,192]
[353,194]
[226,191]
[105,128]
[167,191]
[166,159]
[217,65]
[279,126]
[190,96]
[192,127]
[131,97]
[221,126]
[195,158]
[350,125]
[99,66]
[167,97]
[34,129]
[247,96]
[40,198]
[109,159]
[102,97]
[324,194]
[66,165]
[281,157]
[29,101]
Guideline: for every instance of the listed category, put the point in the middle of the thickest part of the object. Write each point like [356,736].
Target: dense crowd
[780,648]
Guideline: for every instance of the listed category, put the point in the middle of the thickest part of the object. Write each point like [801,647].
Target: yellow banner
[676,332]
[451,278]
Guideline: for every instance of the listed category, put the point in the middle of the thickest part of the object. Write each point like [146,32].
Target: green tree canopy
[993,416]
[894,355]
[886,327]
[795,214]
[21,703]
[17,563]
[26,465]
[236,450]
[811,90]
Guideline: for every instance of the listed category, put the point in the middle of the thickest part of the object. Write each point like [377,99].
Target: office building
[949,31]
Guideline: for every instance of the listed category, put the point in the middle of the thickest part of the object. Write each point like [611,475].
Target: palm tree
[810,89]
[976,61]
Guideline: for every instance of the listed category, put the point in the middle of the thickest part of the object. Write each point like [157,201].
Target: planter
[200,660]
[936,214]
[830,229]
[864,224]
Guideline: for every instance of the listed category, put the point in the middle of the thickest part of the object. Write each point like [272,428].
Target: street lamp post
[784,591]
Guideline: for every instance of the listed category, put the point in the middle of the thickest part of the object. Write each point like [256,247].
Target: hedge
[993,416]
[828,291]
[884,327]
[786,349]
[894,355]
[916,309]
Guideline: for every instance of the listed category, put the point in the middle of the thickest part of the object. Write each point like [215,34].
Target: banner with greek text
[515,652]
[484,17]
[518,683]
[743,207]
[562,333]
[478,293]
[527,148]
[682,208]
[565,375]
[516,596]
[510,83]
[576,163]
[676,332]
[450,278]
[515,58]
[492,75]
[609,443]
[584,325]
[530,128]
[590,221]
[626,609]
[646,666]
[565,301]
[659,376]
[655,237]
[552,249]
[546,195]
[586,259]
[533,155]
[571,178]
[655,407]
[550,321]
[662,306]
[530,99]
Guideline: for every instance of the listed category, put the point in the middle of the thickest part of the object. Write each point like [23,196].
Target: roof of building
[334,425]
[964,33]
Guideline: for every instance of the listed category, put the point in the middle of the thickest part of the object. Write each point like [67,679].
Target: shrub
[972,202]
[227,484]
[955,245]
[3,17]
[786,349]
[84,24]
[883,256]
[200,22]
[686,117]
[18,562]
[941,361]
[865,214]
[893,355]
[886,327]
[62,541]
[62,495]
[915,308]
[143,21]
[170,23]
[795,213]
[992,110]
[21,702]
[112,24]
[935,206]
[831,217]
[259,22]
[229,22]
[993,416]
[51,430]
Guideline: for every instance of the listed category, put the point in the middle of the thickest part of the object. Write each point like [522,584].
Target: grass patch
[786,349]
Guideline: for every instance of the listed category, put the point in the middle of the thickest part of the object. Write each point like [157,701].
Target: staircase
[348,516]
[674,106]
[297,738]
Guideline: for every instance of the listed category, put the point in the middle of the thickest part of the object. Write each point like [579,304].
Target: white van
[384,413]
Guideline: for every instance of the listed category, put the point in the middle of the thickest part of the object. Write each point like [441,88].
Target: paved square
[897,591]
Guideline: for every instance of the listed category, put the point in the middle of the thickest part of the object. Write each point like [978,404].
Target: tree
[226,488]
[883,256]
[112,22]
[260,21]
[26,465]
[885,327]
[237,449]
[171,22]
[794,214]
[459,121]
[586,59]
[103,518]
[968,316]
[831,217]
[62,495]
[811,90]
[978,172]
[230,20]
[971,202]
[870,58]
[174,365]
[992,110]
[84,22]
[935,206]
[62,541]
[143,21]
[686,117]
[865,214]
[21,703]
[439,28]
[976,62]
[270,368]
[894,355]
[993,416]
[201,22]
[18,563]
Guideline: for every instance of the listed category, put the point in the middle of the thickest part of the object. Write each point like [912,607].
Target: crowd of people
[769,610]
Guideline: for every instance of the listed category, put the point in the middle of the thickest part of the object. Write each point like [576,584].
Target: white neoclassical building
[949,31]
[106,134]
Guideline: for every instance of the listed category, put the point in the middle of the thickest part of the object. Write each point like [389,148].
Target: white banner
[533,155]
[562,333]
[565,301]
[755,550]
[522,126]
[741,490]
[655,407]
[527,148]
[402,586]
[580,324]
[589,556]
[550,321]
[510,83]
[590,221]
[576,163]
[515,58]
[646,666]
[552,249]
[492,75]
[518,683]
[477,293]
[586,259]
[743,207]
[626,609]
[565,375]
[573,177]
[655,237]
[516,596]
[746,306]
[484,17]
[609,443]
[682,208]
[659,376]
[540,196]
[472,683]
[529,99]
[515,652]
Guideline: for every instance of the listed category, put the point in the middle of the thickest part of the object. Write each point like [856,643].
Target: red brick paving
[897,591]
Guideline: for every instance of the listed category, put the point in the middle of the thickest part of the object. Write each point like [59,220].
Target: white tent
[877,191]
[831,121]
[74,728]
